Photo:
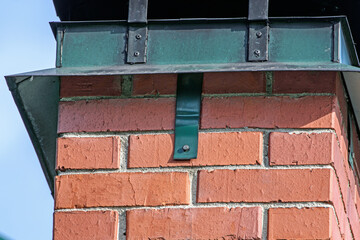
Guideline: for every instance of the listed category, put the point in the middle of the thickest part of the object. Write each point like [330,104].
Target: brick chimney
[273,159]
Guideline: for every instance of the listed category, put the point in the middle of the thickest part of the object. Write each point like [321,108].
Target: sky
[26,44]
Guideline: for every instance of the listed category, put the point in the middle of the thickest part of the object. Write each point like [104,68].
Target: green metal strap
[351,143]
[188,104]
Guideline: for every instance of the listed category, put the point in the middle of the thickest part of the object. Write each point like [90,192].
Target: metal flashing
[202,41]
[178,46]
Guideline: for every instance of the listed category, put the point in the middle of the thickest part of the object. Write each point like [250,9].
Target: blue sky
[26,44]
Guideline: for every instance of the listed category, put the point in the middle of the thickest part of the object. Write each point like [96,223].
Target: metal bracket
[258,42]
[137,32]
[188,104]
[258,31]
[137,40]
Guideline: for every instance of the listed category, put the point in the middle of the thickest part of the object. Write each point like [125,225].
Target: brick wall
[272,162]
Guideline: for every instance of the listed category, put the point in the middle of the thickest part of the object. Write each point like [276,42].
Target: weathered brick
[301,149]
[353,218]
[73,86]
[309,148]
[268,112]
[88,153]
[305,223]
[342,99]
[340,168]
[229,112]
[356,147]
[121,189]
[234,82]
[117,115]
[226,148]
[305,82]
[352,184]
[265,185]
[337,201]
[334,228]
[195,223]
[357,201]
[96,225]
[154,84]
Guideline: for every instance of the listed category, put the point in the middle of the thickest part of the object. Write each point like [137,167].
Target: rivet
[138,36]
[186,148]
[136,54]
[259,34]
[257,52]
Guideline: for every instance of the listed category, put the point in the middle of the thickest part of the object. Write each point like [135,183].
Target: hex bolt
[138,36]
[186,148]
[257,53]
[259,34]
[136,54]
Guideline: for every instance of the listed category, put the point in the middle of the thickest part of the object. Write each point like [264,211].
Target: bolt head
[257,53]
[186,148]
[138,36]
[136,54]
[259,34]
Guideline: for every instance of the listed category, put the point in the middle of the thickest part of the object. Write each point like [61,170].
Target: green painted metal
[188,103]
[301,42]
[351,143]
[37,99]
[93,45]
[186,42]
[195,43]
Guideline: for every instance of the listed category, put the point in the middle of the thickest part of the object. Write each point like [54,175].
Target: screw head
[186,148]
[136,54]
[138,36]
[259,34]
[257,53]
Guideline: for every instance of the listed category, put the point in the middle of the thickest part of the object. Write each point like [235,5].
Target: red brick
[339,165]
[353,218]
[305,223]
[334,228]
[96,225]
[341,132]
[357,201]
[230,112]
[352,184]
[300,149]
[348,235]
[341,96]
[121,189]
[268,112]
[154,84]
[226,148]
[234,82]
[195,223]
[265,185]
[304,82]
[337,201]
[88,153]
[90,86]
[356,146]
[117,115]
